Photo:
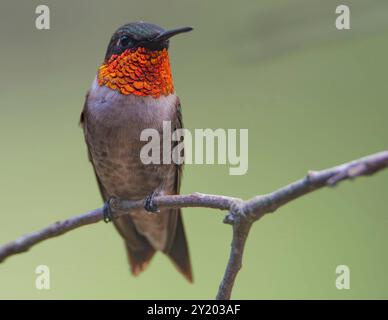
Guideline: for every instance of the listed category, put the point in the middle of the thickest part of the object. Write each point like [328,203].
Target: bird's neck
[140,72]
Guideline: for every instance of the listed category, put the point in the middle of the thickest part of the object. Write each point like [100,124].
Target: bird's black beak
[170,33]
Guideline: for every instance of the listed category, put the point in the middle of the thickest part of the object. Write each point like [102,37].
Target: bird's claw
[149,203]
[107,212]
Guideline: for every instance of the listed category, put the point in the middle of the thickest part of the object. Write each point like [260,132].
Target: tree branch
[241,214]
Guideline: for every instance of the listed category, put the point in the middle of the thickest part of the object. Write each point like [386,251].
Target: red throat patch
[141,72]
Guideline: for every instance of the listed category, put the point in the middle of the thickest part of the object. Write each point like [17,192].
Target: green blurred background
[310,95]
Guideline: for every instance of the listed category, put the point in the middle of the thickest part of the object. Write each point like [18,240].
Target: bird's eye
[124,41]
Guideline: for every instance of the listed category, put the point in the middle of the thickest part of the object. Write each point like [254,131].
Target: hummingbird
[132,91]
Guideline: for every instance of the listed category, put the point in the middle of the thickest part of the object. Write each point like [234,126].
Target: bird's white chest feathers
[107,104]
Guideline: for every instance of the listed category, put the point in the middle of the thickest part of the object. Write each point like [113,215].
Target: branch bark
[241,214]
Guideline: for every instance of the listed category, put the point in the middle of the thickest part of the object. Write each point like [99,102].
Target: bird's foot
[107,212]
[149,204]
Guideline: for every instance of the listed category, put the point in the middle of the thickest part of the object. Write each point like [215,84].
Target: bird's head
[137,62]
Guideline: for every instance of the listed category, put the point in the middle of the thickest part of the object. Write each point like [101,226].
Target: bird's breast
[114,123]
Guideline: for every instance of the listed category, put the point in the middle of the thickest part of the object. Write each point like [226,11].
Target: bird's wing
[177,247]
[83,124]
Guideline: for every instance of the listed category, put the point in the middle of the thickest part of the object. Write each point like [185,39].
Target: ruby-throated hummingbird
[133,91]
